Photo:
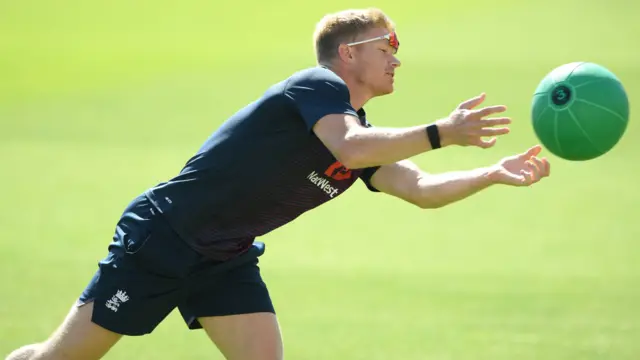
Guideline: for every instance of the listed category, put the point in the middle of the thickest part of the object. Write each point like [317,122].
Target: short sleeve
[366,175]
[317,93]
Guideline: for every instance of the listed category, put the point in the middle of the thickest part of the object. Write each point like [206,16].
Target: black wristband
[434,136]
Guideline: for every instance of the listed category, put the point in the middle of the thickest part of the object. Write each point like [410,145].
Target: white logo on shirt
[323,183]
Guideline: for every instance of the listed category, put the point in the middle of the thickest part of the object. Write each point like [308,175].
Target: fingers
[534,150]
[531,152]
[473,102]
[536,170]
[493,131]
[484,129]
[486,111]
[527,177]
[495,121]
[545,167]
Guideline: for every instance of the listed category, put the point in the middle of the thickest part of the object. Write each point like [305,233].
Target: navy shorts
[150,270]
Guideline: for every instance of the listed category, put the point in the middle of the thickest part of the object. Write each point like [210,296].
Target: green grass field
[100,101]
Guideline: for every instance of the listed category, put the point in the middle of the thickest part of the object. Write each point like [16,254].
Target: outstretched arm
[406,181]
[357,146]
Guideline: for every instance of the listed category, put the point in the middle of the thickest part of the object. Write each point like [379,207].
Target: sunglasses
[391,37]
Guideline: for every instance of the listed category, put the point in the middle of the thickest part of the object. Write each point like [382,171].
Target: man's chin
[386,90]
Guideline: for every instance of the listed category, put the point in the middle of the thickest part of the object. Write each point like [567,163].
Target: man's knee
[26,352]
[37,352]
[41,351]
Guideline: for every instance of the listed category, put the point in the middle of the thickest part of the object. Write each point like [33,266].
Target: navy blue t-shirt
[262,168]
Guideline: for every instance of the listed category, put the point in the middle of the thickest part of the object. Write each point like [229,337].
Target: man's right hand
[468,127]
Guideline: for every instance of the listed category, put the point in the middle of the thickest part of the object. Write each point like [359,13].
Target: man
[190,242]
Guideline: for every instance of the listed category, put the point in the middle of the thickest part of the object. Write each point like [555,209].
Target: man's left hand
[522,169]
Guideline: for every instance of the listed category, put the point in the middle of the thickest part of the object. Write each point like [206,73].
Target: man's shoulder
[316,75]
[313,79]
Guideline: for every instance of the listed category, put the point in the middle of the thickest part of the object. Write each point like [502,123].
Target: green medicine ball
[580,111]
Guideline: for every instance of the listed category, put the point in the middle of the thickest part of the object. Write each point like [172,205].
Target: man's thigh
[254,336]
[233,287]
[235,309]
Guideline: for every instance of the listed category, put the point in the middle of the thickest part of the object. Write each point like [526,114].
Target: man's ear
[344,53]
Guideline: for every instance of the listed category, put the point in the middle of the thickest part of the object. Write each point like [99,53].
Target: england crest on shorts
[116,300]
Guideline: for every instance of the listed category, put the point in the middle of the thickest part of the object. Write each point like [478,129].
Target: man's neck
[359,95]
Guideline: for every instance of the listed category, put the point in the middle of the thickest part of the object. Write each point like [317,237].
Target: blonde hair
[344,26]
